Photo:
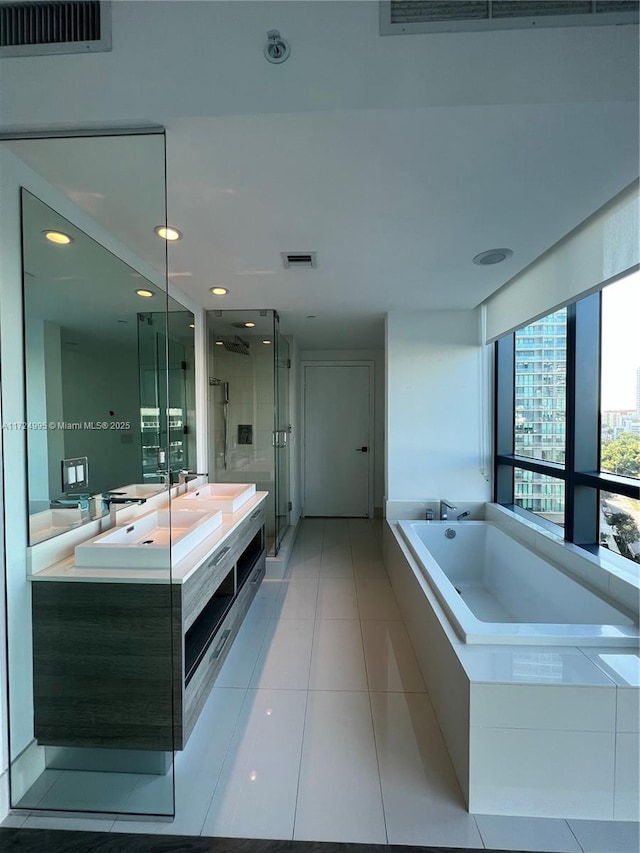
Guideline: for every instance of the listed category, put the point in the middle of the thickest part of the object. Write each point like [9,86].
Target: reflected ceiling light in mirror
[192,325]
[219,343]
[249,325]
[266,342]
[219,291]
[58,237]
[167,232]
[145,293]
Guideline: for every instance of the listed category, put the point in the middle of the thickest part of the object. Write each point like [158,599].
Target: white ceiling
[395,203]
[395,159]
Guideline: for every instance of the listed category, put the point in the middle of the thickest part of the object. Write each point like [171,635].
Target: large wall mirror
[109,375]
[109,359]
[108,402]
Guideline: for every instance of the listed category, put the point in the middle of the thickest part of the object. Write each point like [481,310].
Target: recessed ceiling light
[311,316]
[249,325]
[219,291]
[492,256]
[58,237]
[167,232]
[146,293]
[219,343]
[124,322]
[266,342]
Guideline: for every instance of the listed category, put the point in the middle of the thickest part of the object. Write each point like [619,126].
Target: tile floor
[320,728]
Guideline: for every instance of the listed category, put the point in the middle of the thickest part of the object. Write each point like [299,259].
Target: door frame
[371,423]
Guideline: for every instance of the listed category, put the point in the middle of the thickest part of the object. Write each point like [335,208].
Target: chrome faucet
[79,501]
[115,499]
[444,506]
[185,476]
[463,515]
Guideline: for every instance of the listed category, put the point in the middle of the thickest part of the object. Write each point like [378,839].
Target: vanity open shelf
[129,663]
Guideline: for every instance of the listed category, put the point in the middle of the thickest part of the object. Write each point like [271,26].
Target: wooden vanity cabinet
[115,663]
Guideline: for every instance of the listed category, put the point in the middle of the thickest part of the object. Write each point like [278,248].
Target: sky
[620,343]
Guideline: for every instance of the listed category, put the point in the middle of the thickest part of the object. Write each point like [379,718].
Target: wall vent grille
[403,17]
[299,260]
[54,26]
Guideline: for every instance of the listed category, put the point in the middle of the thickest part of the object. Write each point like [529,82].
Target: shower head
[236,344]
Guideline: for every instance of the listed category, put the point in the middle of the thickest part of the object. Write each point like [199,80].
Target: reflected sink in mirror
[227,497]
[139,490]
[50,522]
[148,541]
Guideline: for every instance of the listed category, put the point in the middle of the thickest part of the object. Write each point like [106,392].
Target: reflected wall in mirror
[86,320]
[168,443]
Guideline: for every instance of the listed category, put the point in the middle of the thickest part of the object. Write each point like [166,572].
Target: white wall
[377,357]
[96,379]
[438,404]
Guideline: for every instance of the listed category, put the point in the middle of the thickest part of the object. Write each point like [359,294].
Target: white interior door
[337,439]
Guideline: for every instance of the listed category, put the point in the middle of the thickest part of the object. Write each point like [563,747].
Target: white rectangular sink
[139,490]
[149,541]
[43,525]
[227,497]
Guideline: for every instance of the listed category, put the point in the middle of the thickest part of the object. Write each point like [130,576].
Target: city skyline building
[540,411]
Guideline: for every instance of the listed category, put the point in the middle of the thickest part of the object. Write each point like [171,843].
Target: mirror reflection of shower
[225,416]
[248,408]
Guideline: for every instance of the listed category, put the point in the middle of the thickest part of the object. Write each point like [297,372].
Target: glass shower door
[282,432]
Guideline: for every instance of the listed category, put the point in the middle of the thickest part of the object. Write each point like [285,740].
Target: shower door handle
[279,438]
[362,449]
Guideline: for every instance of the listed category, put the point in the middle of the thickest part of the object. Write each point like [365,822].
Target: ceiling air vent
[403,17]
[299,260]
[33,28]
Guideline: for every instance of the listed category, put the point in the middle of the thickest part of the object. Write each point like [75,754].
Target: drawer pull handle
[223,641]
[221,556]
[256,513]
[255,577]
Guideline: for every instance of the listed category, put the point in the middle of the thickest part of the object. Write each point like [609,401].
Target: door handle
[362,449]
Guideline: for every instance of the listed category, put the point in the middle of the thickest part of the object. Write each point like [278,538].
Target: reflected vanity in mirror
[109,376]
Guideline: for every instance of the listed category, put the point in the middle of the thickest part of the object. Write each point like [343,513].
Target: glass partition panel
[242,403]
[283,365]
[92,624]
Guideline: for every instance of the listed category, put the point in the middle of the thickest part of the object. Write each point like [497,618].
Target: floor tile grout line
[223,762]
[306,708]
[480,835]
[373,728]
[575,836]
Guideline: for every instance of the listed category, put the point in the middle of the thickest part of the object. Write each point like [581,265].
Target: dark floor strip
[63,841]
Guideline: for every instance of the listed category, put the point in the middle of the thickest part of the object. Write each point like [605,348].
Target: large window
[620,413]
[568,419]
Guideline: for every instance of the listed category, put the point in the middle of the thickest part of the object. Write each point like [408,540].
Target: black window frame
[581,472]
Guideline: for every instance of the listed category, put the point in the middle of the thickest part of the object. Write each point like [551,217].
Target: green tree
[622,455]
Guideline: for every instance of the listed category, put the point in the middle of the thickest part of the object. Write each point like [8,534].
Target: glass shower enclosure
[249,427]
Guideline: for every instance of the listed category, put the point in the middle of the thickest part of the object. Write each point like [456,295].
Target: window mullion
[586,417]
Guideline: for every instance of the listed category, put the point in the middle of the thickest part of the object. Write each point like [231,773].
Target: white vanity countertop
[66,570]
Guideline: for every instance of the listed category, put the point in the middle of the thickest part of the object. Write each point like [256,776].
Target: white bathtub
[495,590]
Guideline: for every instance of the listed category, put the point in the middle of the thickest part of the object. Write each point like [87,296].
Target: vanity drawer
[199,588]
[206,579]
